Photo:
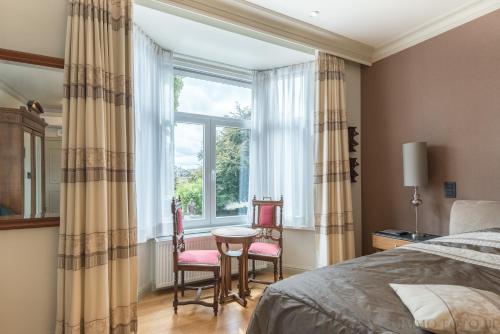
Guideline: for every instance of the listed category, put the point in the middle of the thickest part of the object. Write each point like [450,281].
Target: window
[212,140]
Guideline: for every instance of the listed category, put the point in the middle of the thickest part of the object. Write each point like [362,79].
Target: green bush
[188,190]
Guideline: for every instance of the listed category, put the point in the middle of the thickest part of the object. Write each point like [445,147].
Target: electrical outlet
[450,189]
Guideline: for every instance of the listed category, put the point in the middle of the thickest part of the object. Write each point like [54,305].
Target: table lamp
[415,174]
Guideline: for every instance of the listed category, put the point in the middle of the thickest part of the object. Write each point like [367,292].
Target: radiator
[164,275]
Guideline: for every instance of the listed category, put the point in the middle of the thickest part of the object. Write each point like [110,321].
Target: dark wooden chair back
[268,217]
[178,235]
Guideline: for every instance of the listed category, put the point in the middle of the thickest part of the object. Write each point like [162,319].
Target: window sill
[205,231]
[201,232]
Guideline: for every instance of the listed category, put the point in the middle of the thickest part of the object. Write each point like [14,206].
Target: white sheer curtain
[282,140]
[153,93]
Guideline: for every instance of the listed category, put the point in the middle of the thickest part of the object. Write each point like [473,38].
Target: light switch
[450,189]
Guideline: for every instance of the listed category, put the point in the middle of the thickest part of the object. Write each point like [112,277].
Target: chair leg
[253,269]
[182,283]
[176,300]
[275,269]
[216,292]
[281,268]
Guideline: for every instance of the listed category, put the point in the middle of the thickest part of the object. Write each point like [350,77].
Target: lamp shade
[415,164]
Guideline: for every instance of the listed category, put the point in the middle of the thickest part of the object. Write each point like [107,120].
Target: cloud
[188,143]
[207,98]
[212,98]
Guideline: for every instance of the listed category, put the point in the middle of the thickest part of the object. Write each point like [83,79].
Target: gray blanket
[355,296]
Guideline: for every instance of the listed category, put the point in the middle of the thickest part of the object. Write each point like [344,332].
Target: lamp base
[416,201]
[417,235]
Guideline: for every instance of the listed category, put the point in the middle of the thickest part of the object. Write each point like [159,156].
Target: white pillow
[451,308]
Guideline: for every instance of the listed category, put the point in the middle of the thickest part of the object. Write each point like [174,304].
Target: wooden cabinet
[22,181]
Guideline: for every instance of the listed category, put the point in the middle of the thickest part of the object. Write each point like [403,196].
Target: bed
[355,296]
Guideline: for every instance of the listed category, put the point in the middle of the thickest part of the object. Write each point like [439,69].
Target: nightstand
[383,241]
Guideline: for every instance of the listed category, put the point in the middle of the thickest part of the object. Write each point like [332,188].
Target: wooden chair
[271,229]
[192,260]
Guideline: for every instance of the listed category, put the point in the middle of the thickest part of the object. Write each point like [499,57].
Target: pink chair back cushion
[180,226]
[266,215]
[264,248]
[210,257]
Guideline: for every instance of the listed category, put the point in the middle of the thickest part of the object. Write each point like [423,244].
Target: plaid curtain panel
[332,187]
[97,263]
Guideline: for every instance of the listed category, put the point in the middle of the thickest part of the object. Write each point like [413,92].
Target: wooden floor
[156,314]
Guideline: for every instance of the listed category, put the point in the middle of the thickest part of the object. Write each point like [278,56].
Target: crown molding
[252,20]
[243,17]
[437,26]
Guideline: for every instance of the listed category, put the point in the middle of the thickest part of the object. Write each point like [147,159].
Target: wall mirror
[31,89]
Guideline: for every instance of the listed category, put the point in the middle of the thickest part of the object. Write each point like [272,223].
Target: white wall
[145,258]
[34,26]
[8,101]
[28,262]
[299,249]
[353,92]
[28,258]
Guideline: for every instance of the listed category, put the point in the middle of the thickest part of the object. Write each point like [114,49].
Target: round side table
[234,235]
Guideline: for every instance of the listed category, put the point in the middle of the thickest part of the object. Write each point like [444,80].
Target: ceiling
[383,26]
[188,37]
[373,22]
[29,82]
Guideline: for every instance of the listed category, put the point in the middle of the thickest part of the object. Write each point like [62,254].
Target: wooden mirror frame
[17,222]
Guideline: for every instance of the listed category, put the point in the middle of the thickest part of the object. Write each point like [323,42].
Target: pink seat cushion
[210,257]
[264,248]
[266,215]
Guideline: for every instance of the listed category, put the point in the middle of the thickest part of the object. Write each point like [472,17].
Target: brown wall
[445,91]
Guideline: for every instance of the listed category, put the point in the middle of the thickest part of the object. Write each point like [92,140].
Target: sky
[203,97]
[188,142]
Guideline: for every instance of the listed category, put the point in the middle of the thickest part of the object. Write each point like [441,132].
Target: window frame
[210,124]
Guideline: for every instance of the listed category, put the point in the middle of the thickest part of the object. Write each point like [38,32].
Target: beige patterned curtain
[332,187]
[97,278]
